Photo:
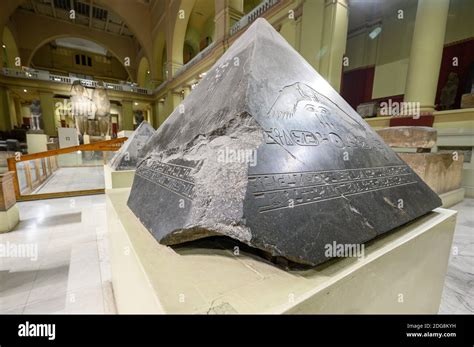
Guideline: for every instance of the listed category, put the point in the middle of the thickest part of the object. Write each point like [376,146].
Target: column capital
[336,2]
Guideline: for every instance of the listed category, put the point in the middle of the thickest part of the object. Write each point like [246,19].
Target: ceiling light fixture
[374,33]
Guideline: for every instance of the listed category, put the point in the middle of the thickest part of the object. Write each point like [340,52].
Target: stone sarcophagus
[264,151]
[442,172]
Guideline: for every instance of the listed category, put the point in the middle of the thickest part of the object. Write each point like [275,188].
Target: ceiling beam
[33,4]
[107,22]
[90,13]
[53,8]
[71,5]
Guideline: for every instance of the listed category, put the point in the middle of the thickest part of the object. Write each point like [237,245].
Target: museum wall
[10,51]
[5,120]
[388,54]
[61,60]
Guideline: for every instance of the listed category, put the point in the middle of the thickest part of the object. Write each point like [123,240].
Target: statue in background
[139,117]
[81,107]
[35,109]
[101,102]
[449,91]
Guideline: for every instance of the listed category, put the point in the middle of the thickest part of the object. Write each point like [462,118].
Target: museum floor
[68,179]
[72,271]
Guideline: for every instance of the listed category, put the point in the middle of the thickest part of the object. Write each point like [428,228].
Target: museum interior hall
[236,156]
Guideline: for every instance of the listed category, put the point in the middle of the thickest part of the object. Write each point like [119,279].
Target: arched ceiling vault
[135,18]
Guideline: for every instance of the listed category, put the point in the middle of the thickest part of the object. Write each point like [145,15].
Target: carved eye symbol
[310,108]
[323,111]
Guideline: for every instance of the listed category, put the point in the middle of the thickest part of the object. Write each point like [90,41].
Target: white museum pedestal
[452,197]
[9,219]
[117,178]
[125,133]
[37,143]
[402,272]
[68,137]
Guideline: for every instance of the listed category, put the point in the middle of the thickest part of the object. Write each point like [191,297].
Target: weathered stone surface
[127,157]
[264,151]
[442,172]
[409,136]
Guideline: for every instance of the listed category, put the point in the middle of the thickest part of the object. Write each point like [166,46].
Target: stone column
[9,214]
[19,117]
[127,115]
[187,91]
[334,41]
[172,68]
[5,121]
[227,12]
[154,115]
[311,32]
[160,116]
[47,113]
[426,53]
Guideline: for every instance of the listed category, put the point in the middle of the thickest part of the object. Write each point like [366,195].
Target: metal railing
[246,20]
[195,59]
[258,11]
[47,76]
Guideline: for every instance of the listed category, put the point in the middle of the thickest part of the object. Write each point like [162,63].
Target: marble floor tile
[49,283]
[55,304]
[72,271]
[86,300]
[68,179]
[15,288]
[458,292]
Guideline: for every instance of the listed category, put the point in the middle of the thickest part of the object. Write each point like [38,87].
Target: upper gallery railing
[246,20]
[47,76]
[258,11]
[195,59]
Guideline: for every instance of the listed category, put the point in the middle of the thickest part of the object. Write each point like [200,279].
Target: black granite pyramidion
[127,157]
[264,151]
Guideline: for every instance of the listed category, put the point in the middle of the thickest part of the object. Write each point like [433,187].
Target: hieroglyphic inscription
[175,178]
[289,138]
[288,190]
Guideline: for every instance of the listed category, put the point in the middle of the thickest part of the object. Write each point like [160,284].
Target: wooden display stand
[9,213]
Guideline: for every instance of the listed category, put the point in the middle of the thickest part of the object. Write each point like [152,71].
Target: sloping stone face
[264,151]
[127,157]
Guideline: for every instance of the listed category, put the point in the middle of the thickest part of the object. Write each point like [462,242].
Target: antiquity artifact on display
[35,119]
[127,157]
[86,108]
[265,151]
